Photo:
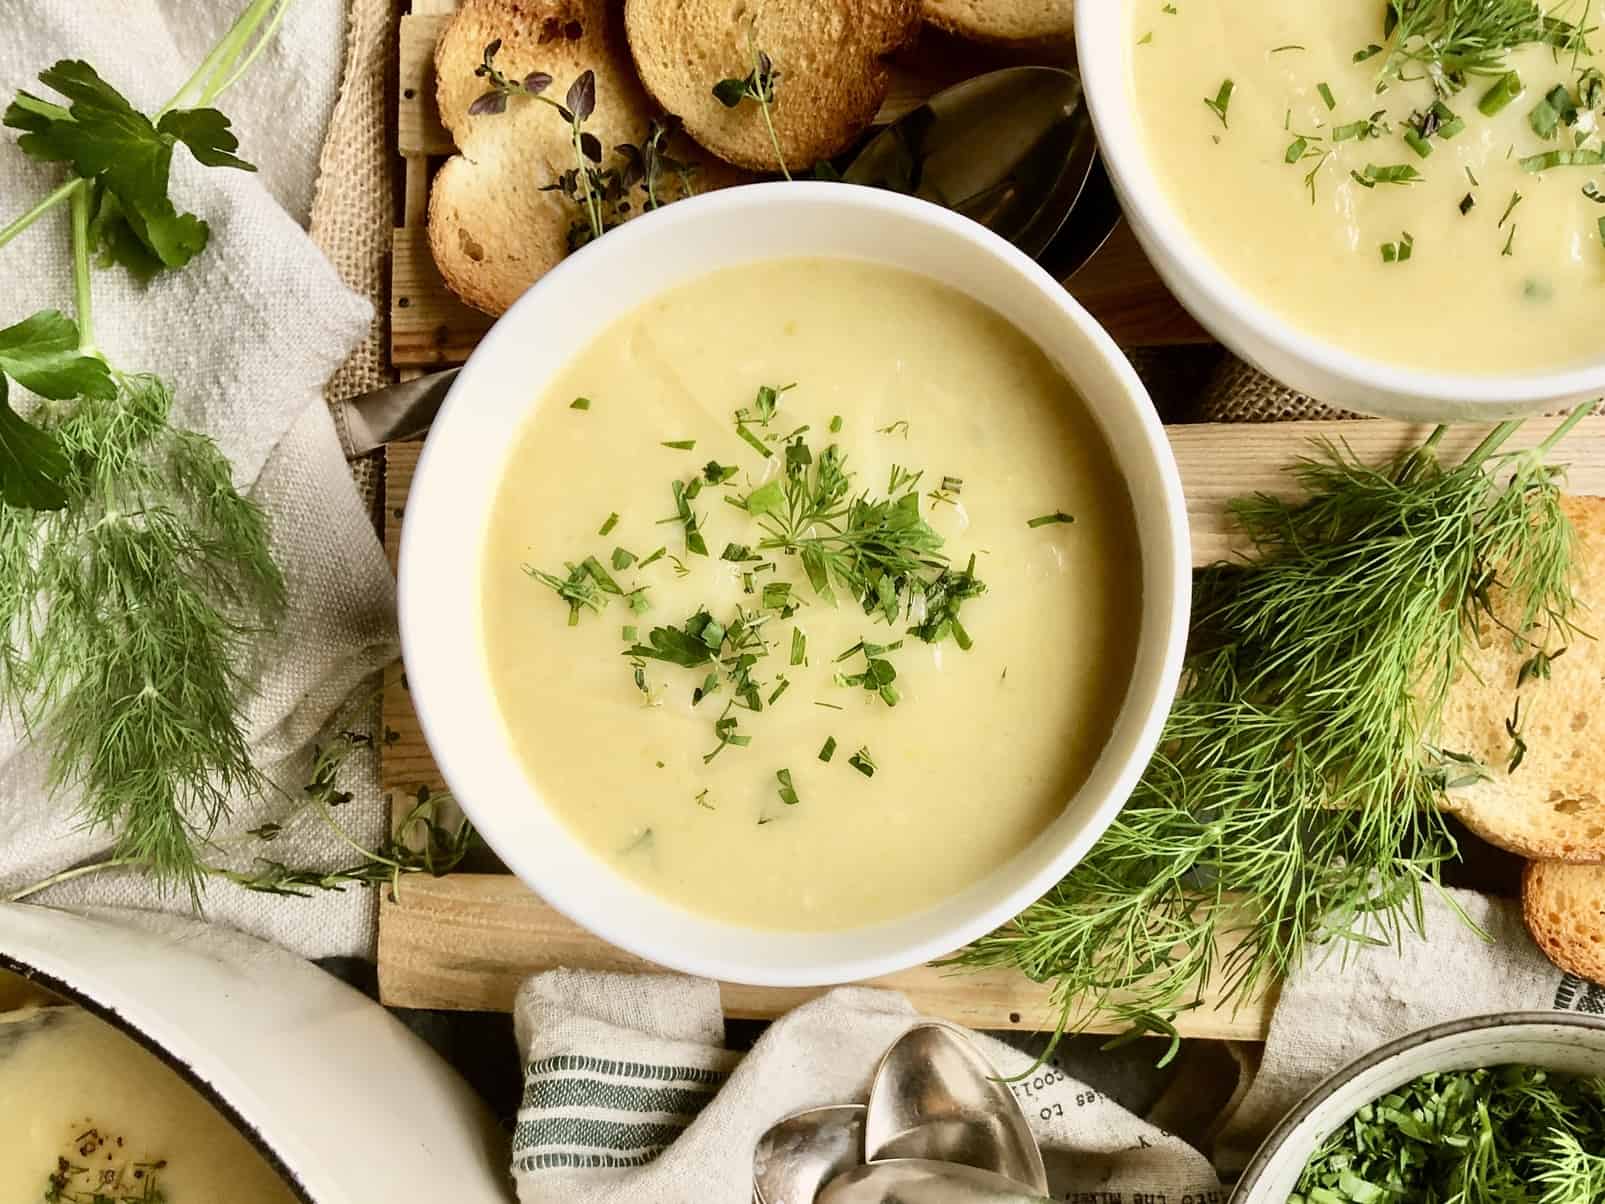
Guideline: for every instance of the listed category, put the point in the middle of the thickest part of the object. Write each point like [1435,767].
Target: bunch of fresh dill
[1294,796]
[135,580]
[1500,1135]
[1452,40]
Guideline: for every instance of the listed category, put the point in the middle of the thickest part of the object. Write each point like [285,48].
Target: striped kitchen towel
[631,1098]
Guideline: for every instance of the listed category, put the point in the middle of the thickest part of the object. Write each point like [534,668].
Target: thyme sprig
[603,194]
[425,840]
[758,86]
[1294,798]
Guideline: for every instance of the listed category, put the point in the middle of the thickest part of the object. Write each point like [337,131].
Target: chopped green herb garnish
[1515,199]
[1222,101]
[580,403]
[629,633]
[681,444]
[1467,203]
[900,427]
[799,646]
[788,793]
[609,523]
[863,762]
[715,473]
[1398,252]
[1325,90]
[879,673]
[622,559]
[655,556]
[738,553]
[1510,242]
[836,424]
[1498,97]
[1398,173]
[829,750]
[1563,158]
[702,799]
[1374,126]
[578,589]
[1296,149]
[1043,520]
[684,493]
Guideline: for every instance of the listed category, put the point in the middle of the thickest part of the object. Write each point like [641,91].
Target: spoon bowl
[922,1181]
[801,1153]
[1011,149]
[935,1097]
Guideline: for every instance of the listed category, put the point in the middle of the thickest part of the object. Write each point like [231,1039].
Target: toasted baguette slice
[828,56]
[1564,907]
[1551,808]
[492,229]
[1033,23]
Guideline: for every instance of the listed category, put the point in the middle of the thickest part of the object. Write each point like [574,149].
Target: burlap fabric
[1240,393]
[353,209]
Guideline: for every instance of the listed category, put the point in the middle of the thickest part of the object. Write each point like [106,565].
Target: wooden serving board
[468,940]
[430,328]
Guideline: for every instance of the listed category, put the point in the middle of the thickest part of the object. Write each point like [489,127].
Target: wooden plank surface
[467,941]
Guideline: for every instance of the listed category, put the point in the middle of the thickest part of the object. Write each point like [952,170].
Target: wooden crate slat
[467,941]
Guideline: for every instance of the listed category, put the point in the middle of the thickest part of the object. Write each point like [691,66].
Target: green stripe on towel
[591,1133]
[545,1162]
[626,1070]
[547,1094]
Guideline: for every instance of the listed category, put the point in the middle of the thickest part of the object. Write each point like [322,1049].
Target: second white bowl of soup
[794,584]
[1371,209]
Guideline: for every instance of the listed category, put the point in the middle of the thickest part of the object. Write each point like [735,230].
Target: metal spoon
[802,1152]
[934,1096]
[1013,149]
[921,1181]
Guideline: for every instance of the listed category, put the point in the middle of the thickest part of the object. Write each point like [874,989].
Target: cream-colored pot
[346,1104]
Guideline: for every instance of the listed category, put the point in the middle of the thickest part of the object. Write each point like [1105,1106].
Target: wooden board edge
[468,941]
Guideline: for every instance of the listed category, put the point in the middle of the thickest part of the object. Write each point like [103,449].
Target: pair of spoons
[1012,149]
[939,1128]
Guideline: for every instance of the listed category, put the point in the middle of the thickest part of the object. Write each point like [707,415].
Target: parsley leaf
[32,463]
[41,353]
[127,159]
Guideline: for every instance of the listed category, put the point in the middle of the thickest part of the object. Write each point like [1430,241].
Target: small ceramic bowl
[459,473]
[339,1098]
[1248,324]
[1555,1040]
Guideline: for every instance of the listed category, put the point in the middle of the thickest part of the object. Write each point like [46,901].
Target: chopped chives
[600,575]
[1296,149]
[799,646]
[622,559]
[829,750]
[836,424]
[580,403]
[630,633]
[1399,252]
[863,762]
[1602,229]
[752,440]
[788,793]
[1467,203]
[1449,123]
[1510,242]
[785,684]
[1326,95]
[609,523]
[1496,98]
[658,555]
[1043,520]
[1563,158]
[1417,143]
[681,444]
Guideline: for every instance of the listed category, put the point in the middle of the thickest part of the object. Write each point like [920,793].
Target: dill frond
[128,622]
[1293,801]
[1455,39]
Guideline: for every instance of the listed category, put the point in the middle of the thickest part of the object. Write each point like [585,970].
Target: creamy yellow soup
[930,784]
[86,1114]
[1448,273]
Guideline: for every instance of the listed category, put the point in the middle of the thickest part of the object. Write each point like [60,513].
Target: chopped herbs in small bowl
[1498,1109]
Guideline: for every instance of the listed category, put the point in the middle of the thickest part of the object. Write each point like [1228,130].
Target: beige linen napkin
[630,1096]
[248,335]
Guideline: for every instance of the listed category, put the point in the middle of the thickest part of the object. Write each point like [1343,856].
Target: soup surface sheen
[73,1087]
[983,748]
[1493,290]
